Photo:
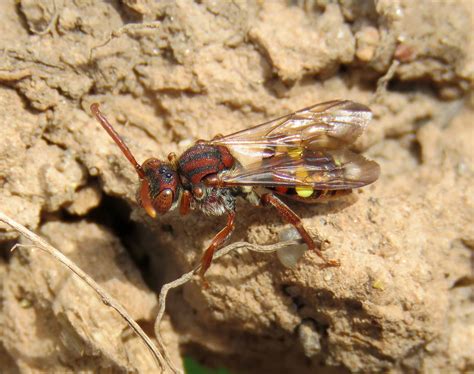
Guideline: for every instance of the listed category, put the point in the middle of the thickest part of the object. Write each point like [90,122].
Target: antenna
[117,139]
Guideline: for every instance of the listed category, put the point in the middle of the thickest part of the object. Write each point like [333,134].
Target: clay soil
[168,73]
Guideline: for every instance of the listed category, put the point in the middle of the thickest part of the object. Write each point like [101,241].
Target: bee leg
[291,217]
[217,242]
[185,203]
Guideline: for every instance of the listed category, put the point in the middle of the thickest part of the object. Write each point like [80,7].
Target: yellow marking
[304,191]
[338,162]
[301,173]
[295,153]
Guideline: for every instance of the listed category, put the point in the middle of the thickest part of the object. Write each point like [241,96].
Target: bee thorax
[215,201]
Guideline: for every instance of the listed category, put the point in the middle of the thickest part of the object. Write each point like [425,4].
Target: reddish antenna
[117,139]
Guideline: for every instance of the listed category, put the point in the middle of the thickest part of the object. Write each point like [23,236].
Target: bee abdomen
[315,197]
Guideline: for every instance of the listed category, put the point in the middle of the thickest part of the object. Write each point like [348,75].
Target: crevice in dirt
[465,281]
[127,15]
[21,17]
[49,127]
[416,151]
[61,215]
[421,85]
[6,248]
[115,214]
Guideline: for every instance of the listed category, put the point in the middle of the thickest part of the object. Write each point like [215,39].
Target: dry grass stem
[185,278]
[127,29]
[383,82]
[105,297]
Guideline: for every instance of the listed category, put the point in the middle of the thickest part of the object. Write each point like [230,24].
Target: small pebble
[367,41]
[309,338]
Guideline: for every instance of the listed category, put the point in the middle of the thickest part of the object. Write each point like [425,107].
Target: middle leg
[291,217]
[217,242]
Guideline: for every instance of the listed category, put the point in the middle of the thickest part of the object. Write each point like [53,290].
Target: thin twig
[383,82]
[185,278]
[161,311]
[51,23]
[105,297]
[127,29]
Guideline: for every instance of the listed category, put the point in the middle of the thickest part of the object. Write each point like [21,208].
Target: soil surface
[168,73]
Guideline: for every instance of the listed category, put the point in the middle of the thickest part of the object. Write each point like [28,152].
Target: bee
[301,156]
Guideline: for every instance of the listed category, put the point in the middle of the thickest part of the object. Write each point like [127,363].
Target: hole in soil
[113,213]
[6,249]
[140,240]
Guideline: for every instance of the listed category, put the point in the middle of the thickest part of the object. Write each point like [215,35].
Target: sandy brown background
[402,299]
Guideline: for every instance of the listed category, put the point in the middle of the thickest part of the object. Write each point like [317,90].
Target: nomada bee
[302,156]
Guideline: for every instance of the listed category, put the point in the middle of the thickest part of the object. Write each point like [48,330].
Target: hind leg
[291,217]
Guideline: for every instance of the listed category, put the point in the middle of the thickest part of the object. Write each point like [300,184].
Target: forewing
[330,125]
[324,170]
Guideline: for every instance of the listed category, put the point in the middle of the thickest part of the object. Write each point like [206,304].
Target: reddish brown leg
[218,240]
[185,203]
[289,216]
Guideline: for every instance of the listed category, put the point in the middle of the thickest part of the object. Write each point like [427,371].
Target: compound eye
[198,192]
[163,201]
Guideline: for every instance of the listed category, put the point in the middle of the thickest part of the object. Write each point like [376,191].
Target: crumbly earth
[402,299]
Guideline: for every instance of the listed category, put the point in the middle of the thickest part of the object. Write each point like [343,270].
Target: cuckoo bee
[302,156]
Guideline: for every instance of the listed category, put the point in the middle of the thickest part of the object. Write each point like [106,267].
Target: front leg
[217,242]
[185,203]
[289,216]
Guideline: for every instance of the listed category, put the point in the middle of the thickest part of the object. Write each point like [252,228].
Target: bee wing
[329,125]
[324,170]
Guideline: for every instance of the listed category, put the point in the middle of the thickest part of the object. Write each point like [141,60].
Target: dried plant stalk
[185,278]
[383,82]
[105,297]
[127,29]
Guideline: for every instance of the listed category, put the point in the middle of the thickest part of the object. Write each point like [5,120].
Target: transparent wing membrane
[328,169]
[304,148]
[327,125]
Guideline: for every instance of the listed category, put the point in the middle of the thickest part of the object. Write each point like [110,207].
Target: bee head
[159,187]
[159,182]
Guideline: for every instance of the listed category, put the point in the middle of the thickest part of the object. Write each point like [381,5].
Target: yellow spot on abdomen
[304,191]
[301,174]
[295,153]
